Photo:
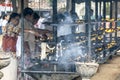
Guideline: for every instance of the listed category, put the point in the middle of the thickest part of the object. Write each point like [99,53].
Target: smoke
[64,27]
[71,54]
[67,50]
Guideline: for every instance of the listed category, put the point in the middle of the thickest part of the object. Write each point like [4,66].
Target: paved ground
[109,70]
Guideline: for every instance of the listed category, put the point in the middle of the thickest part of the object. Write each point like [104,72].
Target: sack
[9,43]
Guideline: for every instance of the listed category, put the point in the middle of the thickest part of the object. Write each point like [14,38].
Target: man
[29,37]
[29,40]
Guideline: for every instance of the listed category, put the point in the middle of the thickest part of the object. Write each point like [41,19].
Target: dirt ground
[109,70]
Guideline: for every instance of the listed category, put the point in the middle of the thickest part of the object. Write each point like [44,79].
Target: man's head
[28,13]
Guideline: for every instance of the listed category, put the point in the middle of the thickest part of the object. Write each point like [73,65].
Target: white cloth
[18,47]
[1,22]
[64,29]
[4,22]
[40,24]
[1,37]
[43,50]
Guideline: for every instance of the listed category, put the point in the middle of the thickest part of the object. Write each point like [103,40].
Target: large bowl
[4,60]
[86,70]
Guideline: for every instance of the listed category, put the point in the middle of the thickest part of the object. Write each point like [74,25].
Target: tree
[50,1]
[17,5]
[14,5]
[2,1]
[26,3]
